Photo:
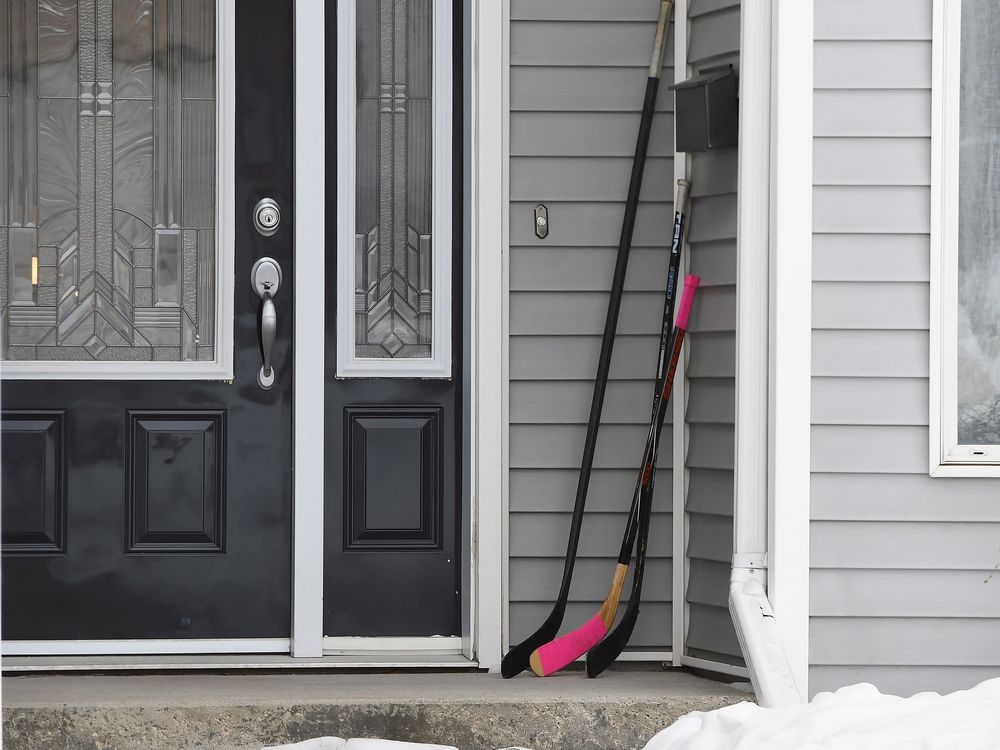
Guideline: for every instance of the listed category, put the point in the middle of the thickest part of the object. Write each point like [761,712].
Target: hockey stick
[605,652]
[556,654]
[516,660]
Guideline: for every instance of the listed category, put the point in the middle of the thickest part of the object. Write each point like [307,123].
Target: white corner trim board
[791,330]
[490,350]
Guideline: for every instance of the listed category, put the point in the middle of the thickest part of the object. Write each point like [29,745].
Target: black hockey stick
[556,654]
[605,652]
[516,660]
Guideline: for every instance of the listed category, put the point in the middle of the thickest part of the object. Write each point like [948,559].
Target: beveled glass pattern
[393,271]
[107,194]
[979,227]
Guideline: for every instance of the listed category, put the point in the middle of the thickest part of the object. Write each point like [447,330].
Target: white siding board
[581,89]
[872,19]
[576,224]
[906,545]
[587,178]
[582,10]
[575,357]
[711,35]
[872,64]
[568,402]
[901,641]
[869,401]
[710,491]
[534,579]
[714,263]
[587,133]
[861,209]
[577,43]
[582,313]
[869,449]
[903,593]
[712,401]
[872,161]
[914,497]
[875,113]
[584,269]
[545,534]
[553,490]
[871,305]
[873,354]
[560,446]
[901,680]
[713,356]
[871,257]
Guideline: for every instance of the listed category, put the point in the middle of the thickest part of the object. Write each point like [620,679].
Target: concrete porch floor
[620,710]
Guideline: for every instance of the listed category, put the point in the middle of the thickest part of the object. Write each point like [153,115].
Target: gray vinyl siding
[577,78]
[904,588]
[714,38]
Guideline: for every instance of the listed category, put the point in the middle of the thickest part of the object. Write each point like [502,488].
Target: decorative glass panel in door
[394,225]
[108,231]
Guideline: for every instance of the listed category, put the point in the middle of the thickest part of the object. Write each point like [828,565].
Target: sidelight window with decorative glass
[394,237]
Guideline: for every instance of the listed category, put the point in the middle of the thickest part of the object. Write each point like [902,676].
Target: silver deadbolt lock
[266,216]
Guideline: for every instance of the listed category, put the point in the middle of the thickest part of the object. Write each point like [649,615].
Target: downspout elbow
[770,672]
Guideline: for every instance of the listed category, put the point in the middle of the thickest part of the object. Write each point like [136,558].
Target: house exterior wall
[902,594]
[713,40]
[577,74]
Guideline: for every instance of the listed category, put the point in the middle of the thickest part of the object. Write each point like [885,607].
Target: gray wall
[714,39]
[904,592]
[578,72]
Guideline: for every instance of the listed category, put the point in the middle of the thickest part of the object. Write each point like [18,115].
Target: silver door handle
[266,280]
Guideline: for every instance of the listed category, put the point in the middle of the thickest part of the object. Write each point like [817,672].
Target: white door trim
[309,253]
[488,428]
[148,646]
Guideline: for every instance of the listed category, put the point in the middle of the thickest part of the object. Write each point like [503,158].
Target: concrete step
[620,710]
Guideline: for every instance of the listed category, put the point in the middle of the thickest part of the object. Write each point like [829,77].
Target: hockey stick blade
[605,652]
[556,654]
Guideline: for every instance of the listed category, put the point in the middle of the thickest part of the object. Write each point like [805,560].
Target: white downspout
[770,671]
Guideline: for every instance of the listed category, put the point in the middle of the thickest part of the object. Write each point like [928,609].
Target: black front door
[393,459]
[143,498]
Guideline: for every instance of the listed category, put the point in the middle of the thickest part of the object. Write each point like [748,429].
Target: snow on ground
[857,717]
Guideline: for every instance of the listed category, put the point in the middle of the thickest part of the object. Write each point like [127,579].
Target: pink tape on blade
[687,299]
[560,652]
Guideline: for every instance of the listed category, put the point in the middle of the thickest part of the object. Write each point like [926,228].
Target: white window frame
[221,368]
[947,457]
[438,365]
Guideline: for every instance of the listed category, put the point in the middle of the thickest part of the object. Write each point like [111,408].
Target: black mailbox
[706,110]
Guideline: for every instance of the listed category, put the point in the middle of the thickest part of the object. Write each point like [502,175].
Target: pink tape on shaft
[560,652]
[687,298]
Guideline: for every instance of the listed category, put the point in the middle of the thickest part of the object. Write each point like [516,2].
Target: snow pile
[857,717]
[336,743]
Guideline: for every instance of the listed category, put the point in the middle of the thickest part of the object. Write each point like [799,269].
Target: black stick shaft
[673,271]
